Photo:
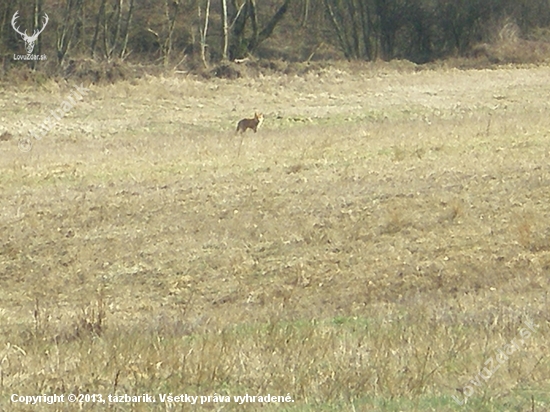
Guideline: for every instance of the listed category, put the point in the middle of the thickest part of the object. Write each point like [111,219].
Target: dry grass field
[371,248]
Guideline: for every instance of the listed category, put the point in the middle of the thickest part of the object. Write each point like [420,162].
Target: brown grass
[369,249]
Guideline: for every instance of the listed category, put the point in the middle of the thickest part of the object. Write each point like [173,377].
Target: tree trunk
[127,30]
[254,22]
[204,31]
[342,38]
[305,13]
[366,30]
[225,31]
[171,23]
[277,17]
[66,31]
[100,15]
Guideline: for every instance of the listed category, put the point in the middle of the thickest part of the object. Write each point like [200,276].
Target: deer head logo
[29,40]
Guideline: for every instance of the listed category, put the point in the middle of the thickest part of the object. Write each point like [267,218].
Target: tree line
[167,31]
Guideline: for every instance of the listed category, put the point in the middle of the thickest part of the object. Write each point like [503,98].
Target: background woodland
[198,34]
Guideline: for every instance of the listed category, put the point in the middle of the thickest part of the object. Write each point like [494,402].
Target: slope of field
[370,248]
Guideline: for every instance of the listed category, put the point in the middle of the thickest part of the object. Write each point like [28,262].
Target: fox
[250,123]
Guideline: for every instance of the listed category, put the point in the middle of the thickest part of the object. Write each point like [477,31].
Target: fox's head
[258,116]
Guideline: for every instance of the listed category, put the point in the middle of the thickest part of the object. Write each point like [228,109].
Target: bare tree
[352,23]
[125,36]
[204,30]
[114,28]
[305,13]
[6,9]
[247,12]
[165,37]
[110,33]
[225,31]
[66,28]
[100,14]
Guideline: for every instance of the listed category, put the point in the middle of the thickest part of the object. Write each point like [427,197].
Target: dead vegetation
[371,258]
[5,137]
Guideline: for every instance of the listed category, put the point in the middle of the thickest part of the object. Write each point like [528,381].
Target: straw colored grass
[375,242]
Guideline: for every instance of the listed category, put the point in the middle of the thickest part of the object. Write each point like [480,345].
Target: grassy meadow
[384,233]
